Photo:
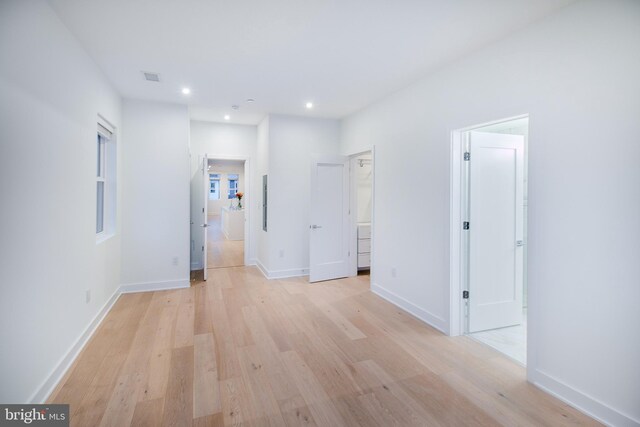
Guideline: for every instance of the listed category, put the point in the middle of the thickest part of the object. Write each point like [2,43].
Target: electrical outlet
[175,260]
[87,296]
[393,272]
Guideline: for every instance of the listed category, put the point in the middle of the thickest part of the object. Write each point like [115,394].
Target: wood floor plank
[215,420]
[240,350]
[320,404]
[185,321]
[178,405]
[206,392]
[202,314]
[148,413]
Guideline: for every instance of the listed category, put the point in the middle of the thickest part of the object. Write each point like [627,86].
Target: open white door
[329,229]
[205,220]
[496,219]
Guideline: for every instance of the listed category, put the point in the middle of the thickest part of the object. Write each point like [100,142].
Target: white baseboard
[262,268]
[581,401]
[281,274]
[45,390]
[427,317]
[154,286]
[196,266]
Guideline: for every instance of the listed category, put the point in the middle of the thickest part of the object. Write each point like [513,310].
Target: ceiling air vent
[151,77]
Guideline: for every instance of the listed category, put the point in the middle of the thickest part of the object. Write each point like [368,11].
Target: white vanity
[233,223]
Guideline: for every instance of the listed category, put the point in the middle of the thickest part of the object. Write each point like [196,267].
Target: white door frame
[353,207]
[205,212]
[248,244]
[458,274]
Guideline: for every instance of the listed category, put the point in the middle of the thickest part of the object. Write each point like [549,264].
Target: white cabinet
[233,223]
[364,245]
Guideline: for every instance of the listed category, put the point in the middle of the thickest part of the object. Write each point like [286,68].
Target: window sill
[103,237]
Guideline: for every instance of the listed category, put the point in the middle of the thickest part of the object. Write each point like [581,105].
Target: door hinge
[465,294]
[202,210]
[465,225]
[467,156]
[203,249]
[349,253]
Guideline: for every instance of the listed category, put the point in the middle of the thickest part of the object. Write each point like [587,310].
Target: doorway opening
[361,210]
[226,200]
[489,252]
[220,232]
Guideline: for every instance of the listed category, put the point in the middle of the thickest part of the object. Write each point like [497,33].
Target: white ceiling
[340,54]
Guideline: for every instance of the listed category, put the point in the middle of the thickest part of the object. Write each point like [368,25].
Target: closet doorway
[361,213]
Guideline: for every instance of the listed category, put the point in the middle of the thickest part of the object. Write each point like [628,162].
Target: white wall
[155,216]
[50,96]
[576,74]
[222,140]
[292,141]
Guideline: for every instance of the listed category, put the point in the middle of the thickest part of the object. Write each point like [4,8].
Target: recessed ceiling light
[186,91]
[227,117]
[251,100]
[309,105]
[235,107]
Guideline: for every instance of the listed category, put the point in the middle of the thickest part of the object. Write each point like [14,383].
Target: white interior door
[496,219]
[205,220]
[329,229]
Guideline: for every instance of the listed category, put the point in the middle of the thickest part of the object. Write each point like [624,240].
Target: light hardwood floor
[222,252]
[242,350]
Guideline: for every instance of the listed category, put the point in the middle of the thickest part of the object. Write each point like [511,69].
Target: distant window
[105,180]
[233,185]
[100,180]
[214,186]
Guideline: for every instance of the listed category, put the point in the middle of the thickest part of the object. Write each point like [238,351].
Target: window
[100,184]
[105,181]
[214,186]
[233,185]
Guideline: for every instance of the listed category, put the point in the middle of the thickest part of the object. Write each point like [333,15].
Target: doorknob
[519,243]
[314,227]
[204,225]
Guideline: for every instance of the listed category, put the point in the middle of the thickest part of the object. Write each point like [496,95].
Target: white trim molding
[580,401]
[45,390]
[154,286]
[281,274]
[429,318]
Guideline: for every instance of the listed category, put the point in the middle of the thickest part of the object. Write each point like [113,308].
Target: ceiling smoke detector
[151,77]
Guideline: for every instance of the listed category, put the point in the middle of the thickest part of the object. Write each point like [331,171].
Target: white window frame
[236,188]
[101,178]
[106,175]
[219,185]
